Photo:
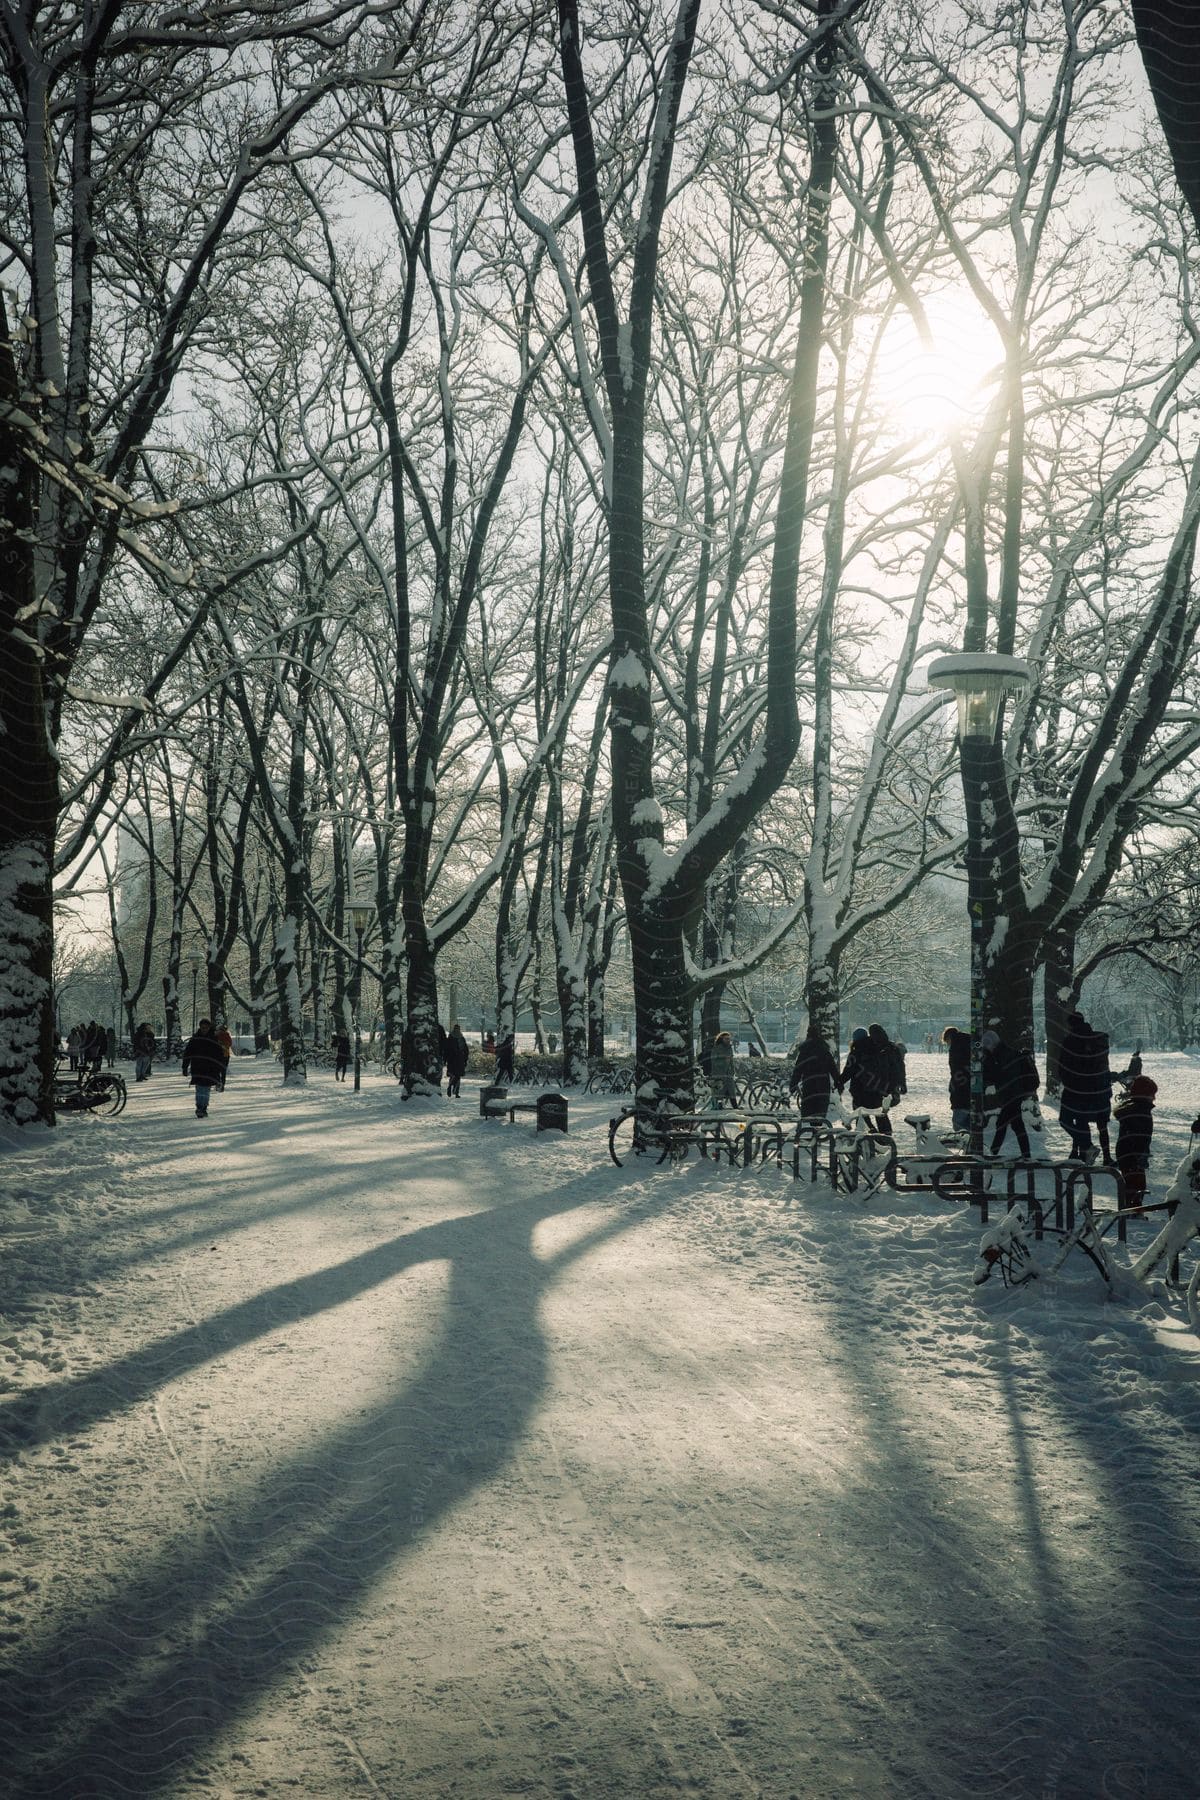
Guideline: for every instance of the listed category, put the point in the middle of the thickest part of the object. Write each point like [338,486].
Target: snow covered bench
[549,1110]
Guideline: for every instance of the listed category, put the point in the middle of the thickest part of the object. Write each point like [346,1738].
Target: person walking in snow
[506,1058]
[74,1045]
[815,1074]
[143,1051]
[341,1055]
[457,1052]
[874,1073]
[1134,1113]
[204,1061]
[1086,1088]
[893,1054]
[1013,1078]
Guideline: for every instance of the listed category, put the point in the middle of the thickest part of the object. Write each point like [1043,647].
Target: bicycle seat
[918,1121]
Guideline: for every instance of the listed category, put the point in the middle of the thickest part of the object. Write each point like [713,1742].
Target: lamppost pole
[979,681]
[194,958]
[972,751]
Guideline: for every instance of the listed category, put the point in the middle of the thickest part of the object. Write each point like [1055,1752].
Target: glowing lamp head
[360,915]
[979,682]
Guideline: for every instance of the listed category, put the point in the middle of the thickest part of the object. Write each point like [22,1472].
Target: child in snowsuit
[1134,1114]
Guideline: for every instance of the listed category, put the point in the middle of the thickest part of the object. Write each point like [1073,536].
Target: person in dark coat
[868,1072]
[341,1055]
[204,1061]
[1013,1078]
[457,1053]
[506,1057]
[815,1074]
[958,1052]
[892,1053]
[1086,1088]
[143,1051]
[1134,1113]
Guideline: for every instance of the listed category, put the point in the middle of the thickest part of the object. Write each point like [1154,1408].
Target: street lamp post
[979,681]
[194,959]
[360,915]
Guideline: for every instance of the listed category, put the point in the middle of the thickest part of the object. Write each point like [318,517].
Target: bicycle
[82,1091]
[1007,1246]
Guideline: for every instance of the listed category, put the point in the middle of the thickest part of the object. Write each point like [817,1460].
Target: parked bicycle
[1011,1246]
[82,1091]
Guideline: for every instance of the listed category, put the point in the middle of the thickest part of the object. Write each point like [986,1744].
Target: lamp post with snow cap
[979,680]
[360,918]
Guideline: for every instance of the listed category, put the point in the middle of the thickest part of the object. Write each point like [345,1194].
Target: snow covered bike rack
[742,1137]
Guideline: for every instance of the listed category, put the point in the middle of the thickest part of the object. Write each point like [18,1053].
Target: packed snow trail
[356,1447]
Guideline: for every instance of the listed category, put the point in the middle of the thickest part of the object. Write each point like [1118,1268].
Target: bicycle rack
[962,1178]
[842,1153]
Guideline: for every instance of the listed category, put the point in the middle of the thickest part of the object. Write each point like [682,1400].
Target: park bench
[549,1110]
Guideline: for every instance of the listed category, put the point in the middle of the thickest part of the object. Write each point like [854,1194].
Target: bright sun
[928,389]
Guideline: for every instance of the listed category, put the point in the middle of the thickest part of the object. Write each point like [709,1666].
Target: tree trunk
[423,1061]
[286,963]
[663,1012]
[1168,33]
[1058,987]
[822,996]
[28,796]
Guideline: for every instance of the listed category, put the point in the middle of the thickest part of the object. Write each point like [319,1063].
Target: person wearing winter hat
[868,1073]
[1134,1114]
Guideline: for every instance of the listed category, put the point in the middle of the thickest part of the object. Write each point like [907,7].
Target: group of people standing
[90,1045]
[873,1072]
[874,1075]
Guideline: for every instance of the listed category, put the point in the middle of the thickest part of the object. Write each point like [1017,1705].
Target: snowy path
[360,1449]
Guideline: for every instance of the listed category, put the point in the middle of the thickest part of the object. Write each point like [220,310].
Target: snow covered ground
[361,1448]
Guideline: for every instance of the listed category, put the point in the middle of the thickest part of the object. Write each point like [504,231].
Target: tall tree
[664,889]
[132,139]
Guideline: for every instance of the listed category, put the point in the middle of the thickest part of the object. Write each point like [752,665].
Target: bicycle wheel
[105,1094]
[624,1139]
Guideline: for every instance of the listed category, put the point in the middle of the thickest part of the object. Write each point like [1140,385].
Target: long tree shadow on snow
[1041,1633]
[38,1413]
[130,1693]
